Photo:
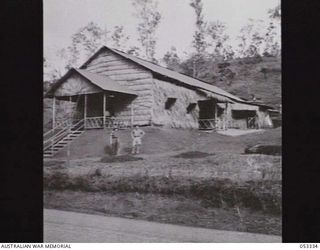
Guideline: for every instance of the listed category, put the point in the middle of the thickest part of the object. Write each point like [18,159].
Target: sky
[62,18]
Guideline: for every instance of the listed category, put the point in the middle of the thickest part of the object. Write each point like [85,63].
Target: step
[50,152]
[59,145]
[61,142]
[75,135]
[77,132]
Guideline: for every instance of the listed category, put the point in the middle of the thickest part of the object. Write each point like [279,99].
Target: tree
[251,39]
[171,59]
[150,17]
[69,56]
[199,38]
[275,13]
[228,52]
[89,38]
[50,74]
[84,43]
[202,66]
[134,50]
[119,38]
[218,40]
[272,46]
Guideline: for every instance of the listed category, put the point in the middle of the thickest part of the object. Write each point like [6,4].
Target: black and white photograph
[162,121]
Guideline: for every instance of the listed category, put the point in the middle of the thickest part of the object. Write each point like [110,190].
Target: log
[132,77]
[113,62]
[122,67]
[138,81]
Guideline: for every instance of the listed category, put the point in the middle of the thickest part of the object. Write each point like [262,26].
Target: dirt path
[61,226]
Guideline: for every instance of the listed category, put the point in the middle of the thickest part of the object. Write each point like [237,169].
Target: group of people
[136,134]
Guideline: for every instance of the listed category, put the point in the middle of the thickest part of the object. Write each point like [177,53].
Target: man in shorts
[136,135]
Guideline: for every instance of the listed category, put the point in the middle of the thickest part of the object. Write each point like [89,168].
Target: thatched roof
[103,82]
[184,79]
[241,106]
[107,84]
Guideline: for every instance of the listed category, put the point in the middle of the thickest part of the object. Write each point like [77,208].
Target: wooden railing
[246,123]
[221,124]
[93,122]
[207,124]
[64,123]
[251,121]
[98,122]
[60,125]
[57,134]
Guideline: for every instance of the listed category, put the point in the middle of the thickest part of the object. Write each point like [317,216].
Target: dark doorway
[207,114]
[206,109]
[244,119]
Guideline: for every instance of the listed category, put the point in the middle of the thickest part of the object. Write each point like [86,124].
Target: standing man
[114,141]
[136,135]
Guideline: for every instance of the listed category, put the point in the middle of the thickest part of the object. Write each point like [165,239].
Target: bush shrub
[214,192]
[58,180]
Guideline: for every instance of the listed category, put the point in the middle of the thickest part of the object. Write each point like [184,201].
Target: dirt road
[62,226]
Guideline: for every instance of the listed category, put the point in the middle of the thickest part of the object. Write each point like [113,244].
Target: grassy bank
[260,196]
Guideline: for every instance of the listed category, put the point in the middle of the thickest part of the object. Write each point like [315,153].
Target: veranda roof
[241,106]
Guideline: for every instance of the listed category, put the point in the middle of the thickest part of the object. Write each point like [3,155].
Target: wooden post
[131,115]
[71,111]
[85,110]
[216,116]
[54,112]
[104,109]
[225,126]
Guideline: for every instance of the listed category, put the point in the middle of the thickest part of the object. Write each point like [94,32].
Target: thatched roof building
[133,90]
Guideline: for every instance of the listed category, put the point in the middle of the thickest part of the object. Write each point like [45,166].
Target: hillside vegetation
[245,77]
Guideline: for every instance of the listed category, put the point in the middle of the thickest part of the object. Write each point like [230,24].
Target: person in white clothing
[137,134]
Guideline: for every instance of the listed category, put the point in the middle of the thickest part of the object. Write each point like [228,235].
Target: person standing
[114,141]
[137,134]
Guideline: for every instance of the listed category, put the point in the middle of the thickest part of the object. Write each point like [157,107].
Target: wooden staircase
[59,137]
